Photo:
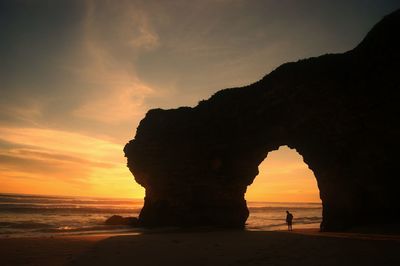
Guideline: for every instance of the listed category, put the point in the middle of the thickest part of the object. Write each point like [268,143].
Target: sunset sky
[76,77]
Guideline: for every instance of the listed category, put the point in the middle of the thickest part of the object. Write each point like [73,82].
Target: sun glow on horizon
[47,161]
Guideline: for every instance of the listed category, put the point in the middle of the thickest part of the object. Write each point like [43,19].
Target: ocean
[34,215]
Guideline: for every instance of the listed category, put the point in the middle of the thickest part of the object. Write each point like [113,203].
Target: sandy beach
[302,247]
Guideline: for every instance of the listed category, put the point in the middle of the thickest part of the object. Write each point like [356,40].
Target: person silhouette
[289,219]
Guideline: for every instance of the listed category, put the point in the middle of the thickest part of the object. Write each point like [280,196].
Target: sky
[77,76]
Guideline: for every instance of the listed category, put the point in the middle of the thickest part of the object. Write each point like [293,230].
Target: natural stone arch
[284,177]
[339,111]
[285,182]
[324,194]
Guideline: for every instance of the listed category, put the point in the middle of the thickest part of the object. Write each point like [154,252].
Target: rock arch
[283,177]
[339,111]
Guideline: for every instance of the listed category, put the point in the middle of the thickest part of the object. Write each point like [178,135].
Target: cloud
[62,141]
[28,167]
[122,102]
[54,158]
[27,114]
[67,159]
[58,124]
[119,95]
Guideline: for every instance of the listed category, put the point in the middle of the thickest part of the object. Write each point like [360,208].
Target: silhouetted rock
[119,220]
[339,111]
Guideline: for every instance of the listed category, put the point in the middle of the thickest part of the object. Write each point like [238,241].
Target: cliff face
[339,111]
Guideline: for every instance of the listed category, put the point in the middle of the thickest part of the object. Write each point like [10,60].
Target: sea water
[33,215]
[272,215]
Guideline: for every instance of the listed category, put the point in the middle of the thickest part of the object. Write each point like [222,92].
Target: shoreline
[205,247]
[310,231]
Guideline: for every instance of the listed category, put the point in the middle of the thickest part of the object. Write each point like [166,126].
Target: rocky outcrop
[339,111]
[120,220]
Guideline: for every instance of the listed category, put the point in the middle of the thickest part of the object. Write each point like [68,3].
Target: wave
[65,205]
[273,223]
[54,209]
[294,223]
[312,218]
[60,200]
[24,225]
[15,203]
[29,229]
[23,215]
[67,229]
[282,209]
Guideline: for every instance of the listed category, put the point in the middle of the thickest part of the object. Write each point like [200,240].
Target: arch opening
[285,182]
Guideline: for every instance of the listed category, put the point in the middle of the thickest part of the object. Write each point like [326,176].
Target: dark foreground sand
[306,247]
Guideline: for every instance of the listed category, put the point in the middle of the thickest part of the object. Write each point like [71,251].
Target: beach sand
[301,247]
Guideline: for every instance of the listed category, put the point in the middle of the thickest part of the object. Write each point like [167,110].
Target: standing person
[289,219]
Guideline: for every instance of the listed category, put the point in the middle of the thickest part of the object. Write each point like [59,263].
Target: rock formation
[339,111]
[120,220]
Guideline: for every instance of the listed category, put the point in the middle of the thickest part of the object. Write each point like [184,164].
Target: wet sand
[301,247]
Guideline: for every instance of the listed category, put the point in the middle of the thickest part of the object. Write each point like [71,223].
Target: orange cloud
[69,163]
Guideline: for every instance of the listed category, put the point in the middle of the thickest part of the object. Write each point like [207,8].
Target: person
[289,220]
